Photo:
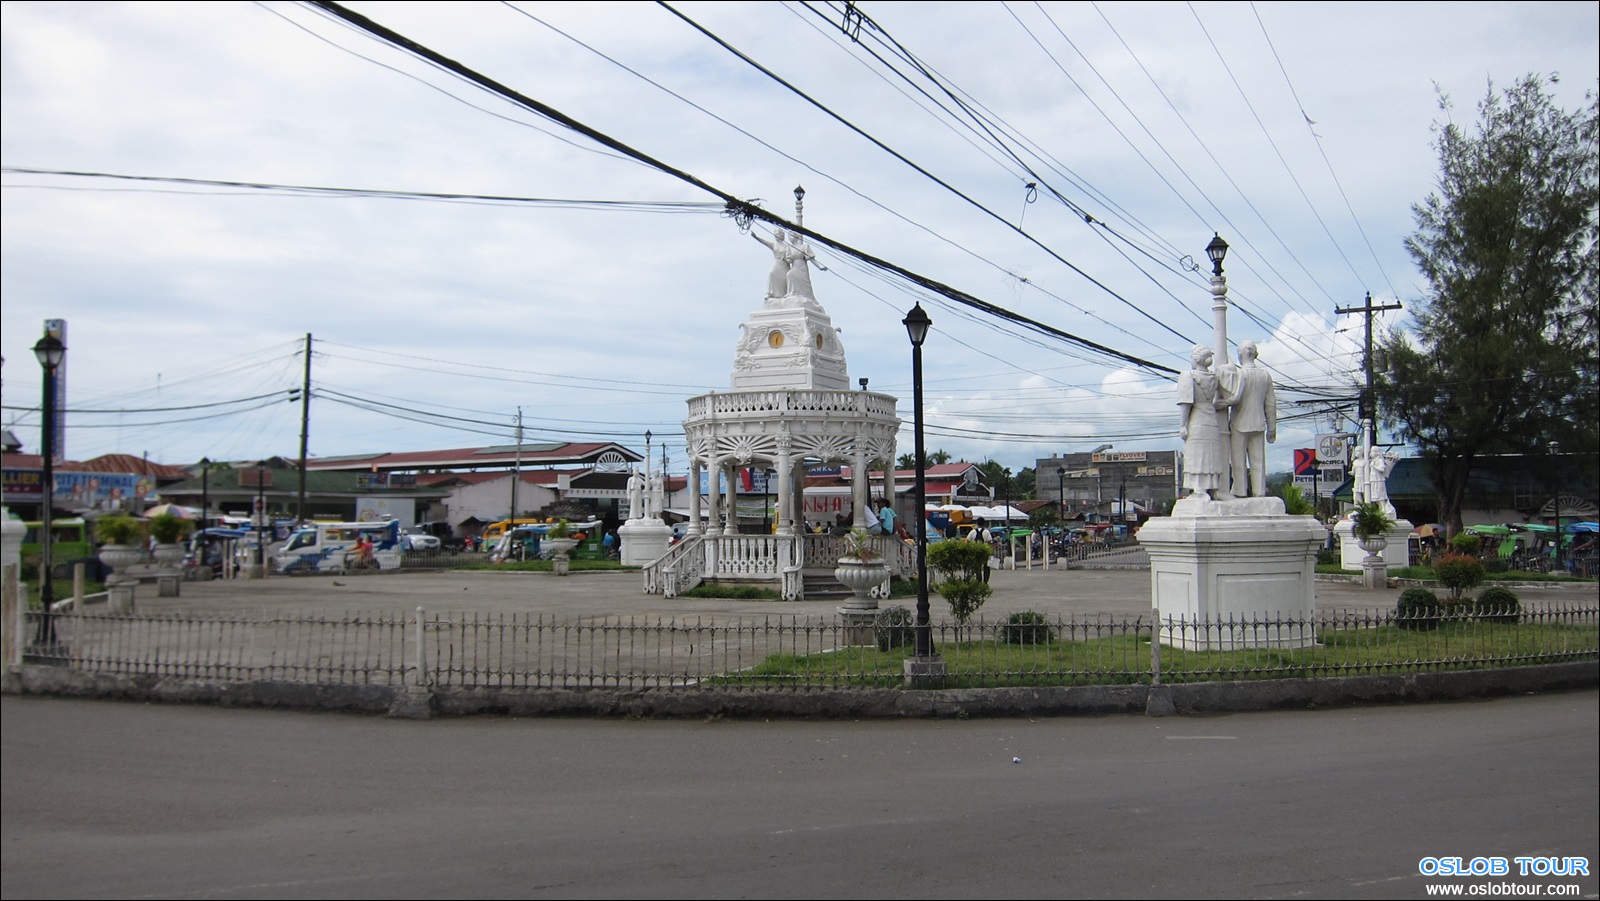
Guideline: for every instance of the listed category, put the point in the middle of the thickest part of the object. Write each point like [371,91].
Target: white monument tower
[1229,559]
[790,405]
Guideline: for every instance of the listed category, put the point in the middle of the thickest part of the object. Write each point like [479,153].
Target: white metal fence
[520,651]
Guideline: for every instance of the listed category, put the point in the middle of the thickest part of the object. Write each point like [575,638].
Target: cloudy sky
[1300,132]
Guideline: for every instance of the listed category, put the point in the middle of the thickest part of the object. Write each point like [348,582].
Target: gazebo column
[797,482]
[714,497]
[859,484]
[694,497]
[786,511]
[730,522]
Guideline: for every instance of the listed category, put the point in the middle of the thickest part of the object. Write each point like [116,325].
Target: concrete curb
[885,703]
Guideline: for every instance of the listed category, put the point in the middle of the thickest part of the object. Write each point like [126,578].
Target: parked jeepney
[334,547]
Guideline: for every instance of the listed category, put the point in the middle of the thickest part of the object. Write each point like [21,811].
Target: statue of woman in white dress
[799,275]
[1205,457]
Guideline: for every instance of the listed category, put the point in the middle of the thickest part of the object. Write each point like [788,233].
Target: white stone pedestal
[1238,573]
[1396,554]
[119,593]
[643,540]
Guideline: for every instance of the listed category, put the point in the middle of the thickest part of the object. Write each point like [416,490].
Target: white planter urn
[118,556]
[861,577]
[559,547]
[168,555]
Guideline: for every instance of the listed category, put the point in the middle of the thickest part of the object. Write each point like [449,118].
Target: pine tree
[1503,355]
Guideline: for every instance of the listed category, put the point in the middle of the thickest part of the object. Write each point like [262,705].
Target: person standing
[886,517]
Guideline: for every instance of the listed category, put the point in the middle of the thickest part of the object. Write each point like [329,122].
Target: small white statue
[635,495]
[778,278]
[799,274]
[1371,469]
[655,497]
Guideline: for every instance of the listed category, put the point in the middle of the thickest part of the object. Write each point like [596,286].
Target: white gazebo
[790,406]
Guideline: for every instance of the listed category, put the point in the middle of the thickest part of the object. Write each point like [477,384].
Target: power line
[740,209]
[648,206]
[922,171]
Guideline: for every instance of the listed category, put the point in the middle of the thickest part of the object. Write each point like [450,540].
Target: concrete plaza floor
[1077,593]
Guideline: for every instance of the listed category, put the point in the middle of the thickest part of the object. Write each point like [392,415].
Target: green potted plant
[861,569]
[119,536]
[1370,521]
[168,531]
[559,539]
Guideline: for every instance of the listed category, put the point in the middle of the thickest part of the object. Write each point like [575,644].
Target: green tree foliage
[1502,359]
[909,461]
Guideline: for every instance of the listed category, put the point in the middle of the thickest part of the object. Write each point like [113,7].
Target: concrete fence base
[698,702]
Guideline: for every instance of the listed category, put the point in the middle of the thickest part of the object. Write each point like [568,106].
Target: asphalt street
[116,800]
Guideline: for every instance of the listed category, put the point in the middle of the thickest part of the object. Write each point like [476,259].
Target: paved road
[106,800]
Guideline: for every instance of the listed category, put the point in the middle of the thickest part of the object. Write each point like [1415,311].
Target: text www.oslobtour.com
[1500,866]
[1506,889]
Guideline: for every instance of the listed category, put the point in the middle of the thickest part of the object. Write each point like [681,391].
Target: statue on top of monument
[1205,458]
[1249,391]
[799,274]
[778,278]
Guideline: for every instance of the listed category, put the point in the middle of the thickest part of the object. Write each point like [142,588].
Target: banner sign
[1305,461]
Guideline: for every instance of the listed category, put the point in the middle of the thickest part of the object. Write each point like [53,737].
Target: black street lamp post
[917,324]
[205,490]
[50,351]
[261,524]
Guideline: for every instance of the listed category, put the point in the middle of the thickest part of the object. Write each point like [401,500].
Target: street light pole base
[925,672]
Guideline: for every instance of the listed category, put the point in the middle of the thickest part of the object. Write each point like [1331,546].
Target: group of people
[1228,418]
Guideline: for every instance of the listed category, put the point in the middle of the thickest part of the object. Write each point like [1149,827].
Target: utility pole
[305,433]
[1368,410]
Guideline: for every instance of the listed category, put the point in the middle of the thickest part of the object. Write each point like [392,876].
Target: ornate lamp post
[50,351]
[1217,250]
[917,324]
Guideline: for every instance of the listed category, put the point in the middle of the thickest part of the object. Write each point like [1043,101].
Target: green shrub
[1466,543]
[1496,565]
[893,627]
[961,563]
[964,596]
[1418,610]
[1459,572]
[1329,557]
[1497,604]
[732,592]
[1026,627]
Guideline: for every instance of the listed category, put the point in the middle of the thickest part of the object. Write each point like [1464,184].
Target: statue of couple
[1205,398]
[789,275]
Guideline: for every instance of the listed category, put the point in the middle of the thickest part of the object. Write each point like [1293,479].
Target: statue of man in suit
[1254,422]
